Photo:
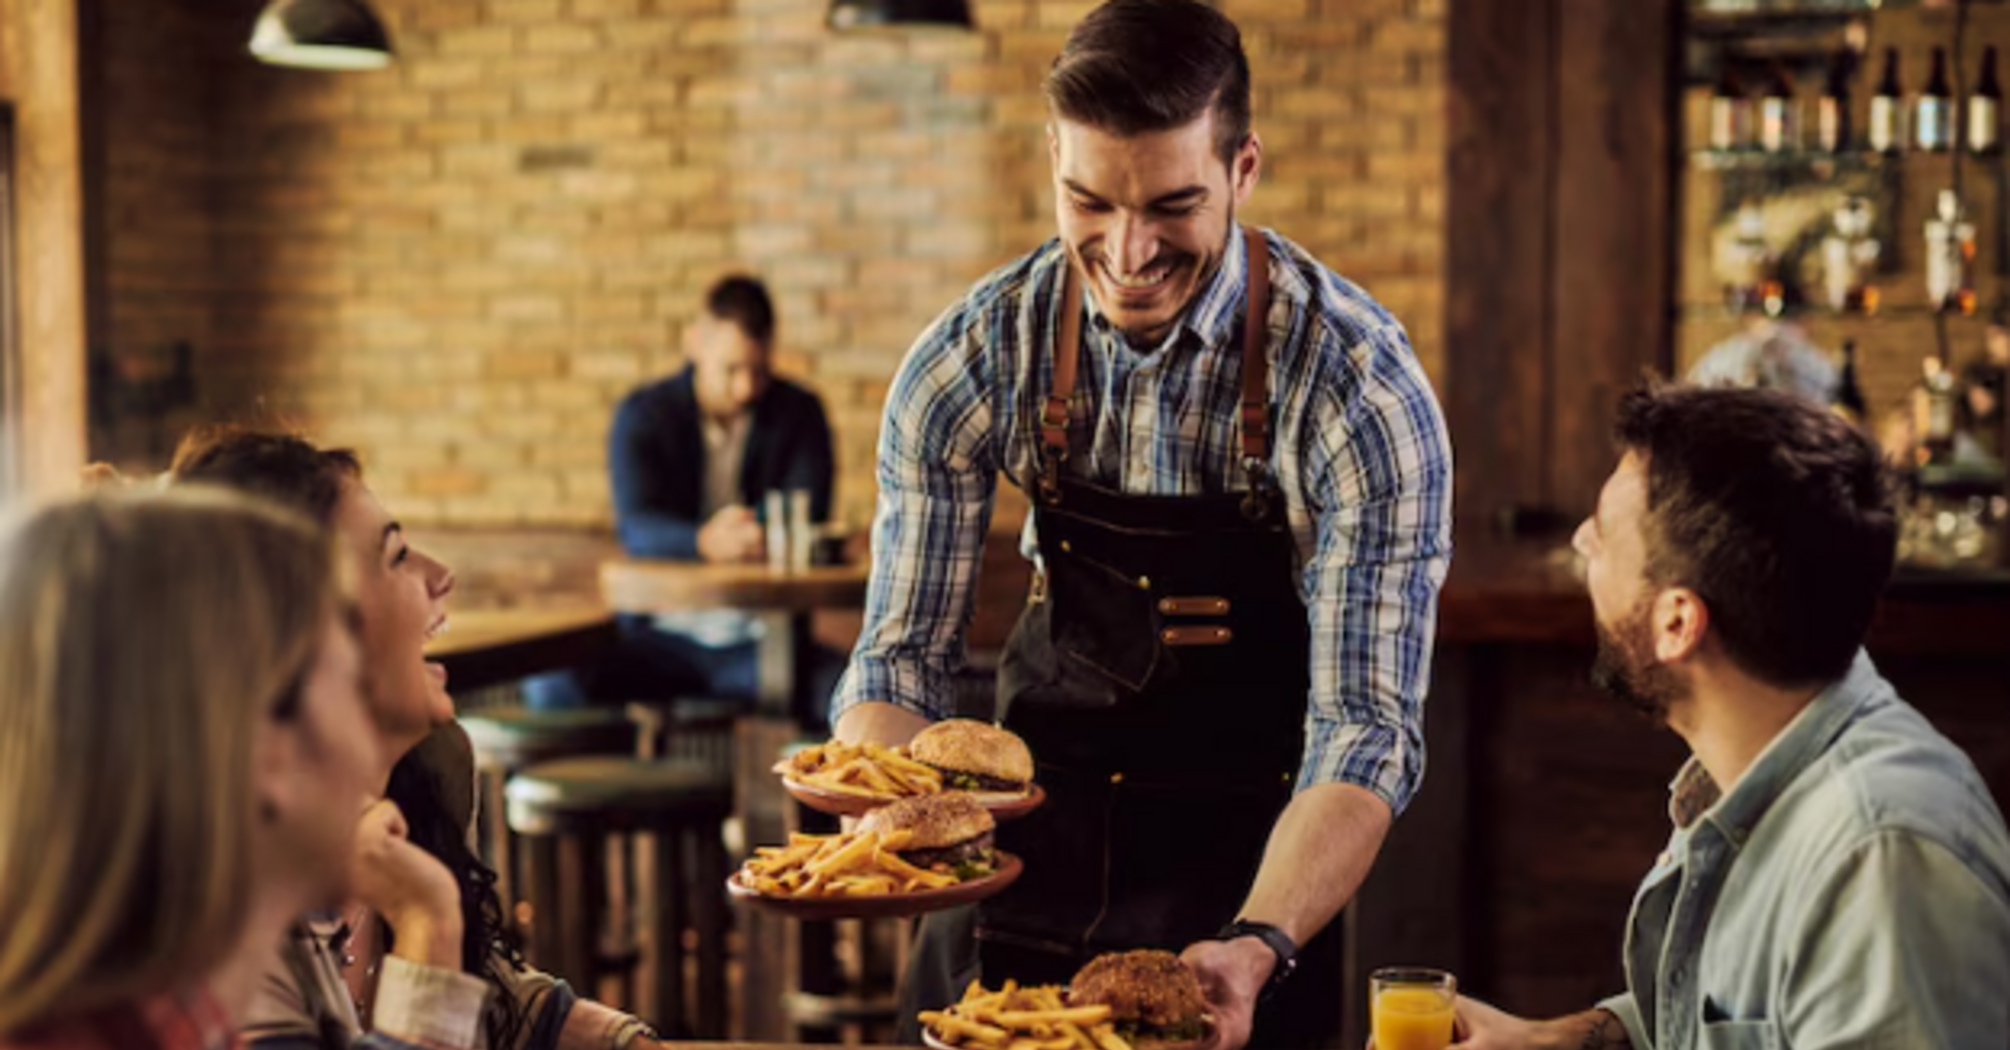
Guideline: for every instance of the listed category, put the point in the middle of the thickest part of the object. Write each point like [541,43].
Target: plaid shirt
[1359,449]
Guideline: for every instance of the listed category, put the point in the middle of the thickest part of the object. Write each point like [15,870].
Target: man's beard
[1625,667]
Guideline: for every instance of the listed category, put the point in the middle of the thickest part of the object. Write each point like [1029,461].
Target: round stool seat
[515,736]
[553,797]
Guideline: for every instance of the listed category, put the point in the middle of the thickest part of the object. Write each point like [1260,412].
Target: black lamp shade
[321,34]
[892,14]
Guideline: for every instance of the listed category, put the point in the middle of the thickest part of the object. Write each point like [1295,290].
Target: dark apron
[1159,675]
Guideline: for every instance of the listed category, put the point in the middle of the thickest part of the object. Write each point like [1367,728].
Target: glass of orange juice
[1411,1008]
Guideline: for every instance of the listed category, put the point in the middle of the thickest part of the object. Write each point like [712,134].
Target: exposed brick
[461,264]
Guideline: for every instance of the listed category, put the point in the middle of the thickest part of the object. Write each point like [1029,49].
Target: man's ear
[1247,168]
[1679,622]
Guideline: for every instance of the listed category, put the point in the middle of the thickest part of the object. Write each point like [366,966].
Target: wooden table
[782,600]
[485,647]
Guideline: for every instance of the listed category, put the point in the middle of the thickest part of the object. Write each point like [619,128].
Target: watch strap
[1275,939]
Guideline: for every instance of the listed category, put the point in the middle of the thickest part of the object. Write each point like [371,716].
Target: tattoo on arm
[1604,1032]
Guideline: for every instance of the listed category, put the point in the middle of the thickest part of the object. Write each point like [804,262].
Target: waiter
[1241,517]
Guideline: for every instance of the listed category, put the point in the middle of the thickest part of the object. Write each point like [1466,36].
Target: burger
[1155,1001]
[974,756]
[949,834]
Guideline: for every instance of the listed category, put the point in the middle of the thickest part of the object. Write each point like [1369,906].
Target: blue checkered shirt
[1359,449]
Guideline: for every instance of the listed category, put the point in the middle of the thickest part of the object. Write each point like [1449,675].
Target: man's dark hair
[744,301]
[1138,66]
[1776,512]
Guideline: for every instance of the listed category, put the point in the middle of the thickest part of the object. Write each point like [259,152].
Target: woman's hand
[409,887]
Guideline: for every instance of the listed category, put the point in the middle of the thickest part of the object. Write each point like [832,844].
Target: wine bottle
[1883,131]
[1985,106]
[1776,114]
[1832,128]
[1730,113]
[1849,392]
[1934,112]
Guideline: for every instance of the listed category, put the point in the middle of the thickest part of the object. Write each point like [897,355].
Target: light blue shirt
[1852,890]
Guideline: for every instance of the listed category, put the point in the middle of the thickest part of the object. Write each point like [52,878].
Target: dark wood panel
[1496,255]
[1610,287]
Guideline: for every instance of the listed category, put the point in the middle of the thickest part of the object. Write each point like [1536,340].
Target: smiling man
[1241,487]
[1838,875]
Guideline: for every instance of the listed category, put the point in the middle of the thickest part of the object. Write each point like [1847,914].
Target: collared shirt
[1359,449]
[725,452]
[1851,889]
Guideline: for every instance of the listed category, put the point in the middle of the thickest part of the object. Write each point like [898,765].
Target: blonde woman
[183,753]
[330,978]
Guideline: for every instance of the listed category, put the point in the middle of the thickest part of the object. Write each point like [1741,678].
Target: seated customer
[182,757]
[322,982]
[691,458]
[1838,875]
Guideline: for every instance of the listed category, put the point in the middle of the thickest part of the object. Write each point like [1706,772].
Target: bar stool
[566,813]
[510,737]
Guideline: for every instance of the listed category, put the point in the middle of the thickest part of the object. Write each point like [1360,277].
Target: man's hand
[1232,974]
[409,887]
[1481,1027]
[733,536]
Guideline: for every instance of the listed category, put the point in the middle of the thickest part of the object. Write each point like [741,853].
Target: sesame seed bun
[935,821]
[964,745]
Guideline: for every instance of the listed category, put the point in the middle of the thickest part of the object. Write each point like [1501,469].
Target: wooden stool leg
[666,933]
[546,925]
[579,927]
[709,912]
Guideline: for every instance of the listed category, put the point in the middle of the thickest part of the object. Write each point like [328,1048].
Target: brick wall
[459,264]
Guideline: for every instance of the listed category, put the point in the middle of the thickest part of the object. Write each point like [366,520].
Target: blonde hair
[144,639]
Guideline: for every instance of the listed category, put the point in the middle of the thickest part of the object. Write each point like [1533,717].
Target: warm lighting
[898,14]
[321,34]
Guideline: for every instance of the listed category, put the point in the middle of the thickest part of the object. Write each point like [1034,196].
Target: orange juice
[1418,1018]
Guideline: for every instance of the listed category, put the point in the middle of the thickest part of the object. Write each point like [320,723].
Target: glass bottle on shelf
[1950,257]
[1884,107]
[1849,257]
[1778,126]
[1985,107]
[1730,113]
[1749,281]
[1832,130]
[1933,415]
[1850,403]
[1934,112]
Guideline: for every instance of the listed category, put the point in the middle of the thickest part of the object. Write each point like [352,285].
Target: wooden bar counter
[1546,800]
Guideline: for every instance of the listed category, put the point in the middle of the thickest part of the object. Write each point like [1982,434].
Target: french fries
[854,864]
[871,771]
[1015,1018]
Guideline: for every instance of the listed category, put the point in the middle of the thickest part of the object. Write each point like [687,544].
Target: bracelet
[1276,940]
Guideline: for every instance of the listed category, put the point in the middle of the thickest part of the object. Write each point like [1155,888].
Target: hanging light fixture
[321,34]
[900,14]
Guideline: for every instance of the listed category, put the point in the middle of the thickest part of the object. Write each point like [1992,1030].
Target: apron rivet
[1144,583]
[1116,778]
[1066,546]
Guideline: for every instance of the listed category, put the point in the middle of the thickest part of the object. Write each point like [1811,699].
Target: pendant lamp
[898,14]
[321,34]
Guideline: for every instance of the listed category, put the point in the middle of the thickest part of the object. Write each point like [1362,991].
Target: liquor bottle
[1832,128]
[1883,131]
[1777,131]
[1950,256]
[1849,392]
[1730,113]
[1934,111]
[1933,415]
[1984,107]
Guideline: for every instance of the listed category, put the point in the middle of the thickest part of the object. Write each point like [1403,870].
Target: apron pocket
[1105,621]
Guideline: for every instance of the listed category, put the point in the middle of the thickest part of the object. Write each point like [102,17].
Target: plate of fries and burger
[915,855]
[957,755]
[1140,1000]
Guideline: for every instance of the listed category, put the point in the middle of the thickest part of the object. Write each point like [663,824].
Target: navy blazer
[656,455]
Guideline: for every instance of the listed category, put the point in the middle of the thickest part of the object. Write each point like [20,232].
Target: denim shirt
[1853,889]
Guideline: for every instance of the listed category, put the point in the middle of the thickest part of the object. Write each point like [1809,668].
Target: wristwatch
[1277,940]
